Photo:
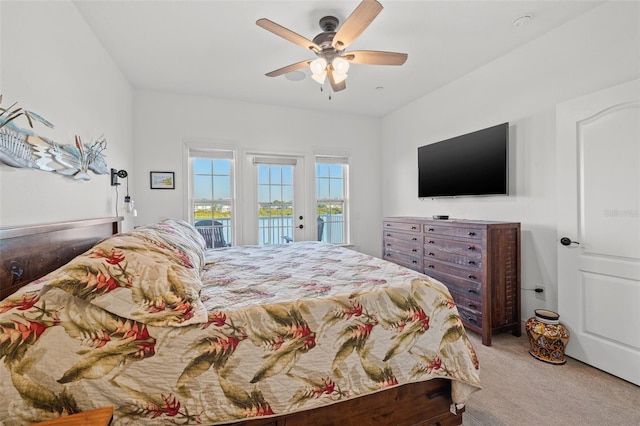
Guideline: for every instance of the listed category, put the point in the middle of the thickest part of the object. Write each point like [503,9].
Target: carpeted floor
[519,390]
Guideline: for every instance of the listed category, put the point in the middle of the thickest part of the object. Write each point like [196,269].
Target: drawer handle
[471,234]
[471,248]
[414,261]
[414,250]
[430,229]
[471,305]
[473,320]
[388,244]
[431,267]
[388,224]
[388,235]
[472,277]
[413,227]
[471,290]
[432,254]
[430,242]
[414,239]
[471,262]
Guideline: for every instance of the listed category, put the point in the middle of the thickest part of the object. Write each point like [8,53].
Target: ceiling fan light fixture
[318,66]
[339,77]
[340,65]
[320,77]
[329,46]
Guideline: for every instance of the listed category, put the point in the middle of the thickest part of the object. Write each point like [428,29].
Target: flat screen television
[473,164]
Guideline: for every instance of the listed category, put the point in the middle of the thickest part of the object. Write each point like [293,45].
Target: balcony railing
[272,230]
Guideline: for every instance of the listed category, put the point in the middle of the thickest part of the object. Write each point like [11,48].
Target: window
[331,199]
[212,195]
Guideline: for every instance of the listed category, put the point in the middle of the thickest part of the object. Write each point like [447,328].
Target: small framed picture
[162,180]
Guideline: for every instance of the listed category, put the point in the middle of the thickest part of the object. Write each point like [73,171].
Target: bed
[168,332]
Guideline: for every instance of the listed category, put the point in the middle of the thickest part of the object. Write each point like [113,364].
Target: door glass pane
[275,203]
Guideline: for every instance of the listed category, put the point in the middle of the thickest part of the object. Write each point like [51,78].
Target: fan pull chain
[322,90]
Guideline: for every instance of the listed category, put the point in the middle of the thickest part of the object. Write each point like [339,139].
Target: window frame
[344,162]
[200,150]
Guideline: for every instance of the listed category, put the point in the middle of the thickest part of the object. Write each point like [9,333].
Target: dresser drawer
[457,285]
[470,273]
[467,303]
[401,226]
[410,262]
[457,252]
[468,248]
[458,259]
[454,231]
[403,236]
[410,248]
[469,317]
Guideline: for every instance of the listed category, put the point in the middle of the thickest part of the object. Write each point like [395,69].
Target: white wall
[594,51]
[52,64]
[164,121]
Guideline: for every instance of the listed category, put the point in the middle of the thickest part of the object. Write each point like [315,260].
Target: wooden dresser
[478,261]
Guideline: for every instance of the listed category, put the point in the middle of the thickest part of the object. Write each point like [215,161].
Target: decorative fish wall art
[24,148]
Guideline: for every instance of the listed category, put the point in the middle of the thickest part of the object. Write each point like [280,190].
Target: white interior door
[598,172]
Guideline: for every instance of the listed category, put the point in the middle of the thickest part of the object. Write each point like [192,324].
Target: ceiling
[214,48]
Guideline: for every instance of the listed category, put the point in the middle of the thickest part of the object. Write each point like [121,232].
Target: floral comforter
[170,333]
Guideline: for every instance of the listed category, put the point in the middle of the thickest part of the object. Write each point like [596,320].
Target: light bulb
[340,65]
[339,78]
[128,205]
[318,66]
[320,77]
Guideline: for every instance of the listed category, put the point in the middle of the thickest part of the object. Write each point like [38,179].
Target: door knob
[566,241]
[301,226]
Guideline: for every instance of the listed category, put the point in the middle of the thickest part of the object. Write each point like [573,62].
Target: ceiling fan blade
[288,68]
[336,86]
[287,34]
[356,23]
[375,57]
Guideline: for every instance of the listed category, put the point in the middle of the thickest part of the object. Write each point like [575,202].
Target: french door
[279,188]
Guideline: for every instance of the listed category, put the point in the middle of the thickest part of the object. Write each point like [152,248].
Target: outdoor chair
[212,233]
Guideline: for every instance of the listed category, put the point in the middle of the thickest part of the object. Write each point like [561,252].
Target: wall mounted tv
[473,164]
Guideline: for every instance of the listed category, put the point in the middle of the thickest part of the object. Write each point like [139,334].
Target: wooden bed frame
[30,252]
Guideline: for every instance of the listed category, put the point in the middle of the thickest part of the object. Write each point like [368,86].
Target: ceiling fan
[329,46]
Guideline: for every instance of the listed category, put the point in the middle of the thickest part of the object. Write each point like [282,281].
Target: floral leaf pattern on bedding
[320,324]
[153,406]
[250,404]
[20,331]
[41,397]
[151,275]
[352,338]
[316,387]
[111,341]
[214,351]
[288,338]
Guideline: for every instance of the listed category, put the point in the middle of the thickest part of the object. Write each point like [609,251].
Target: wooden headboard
[30,252]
